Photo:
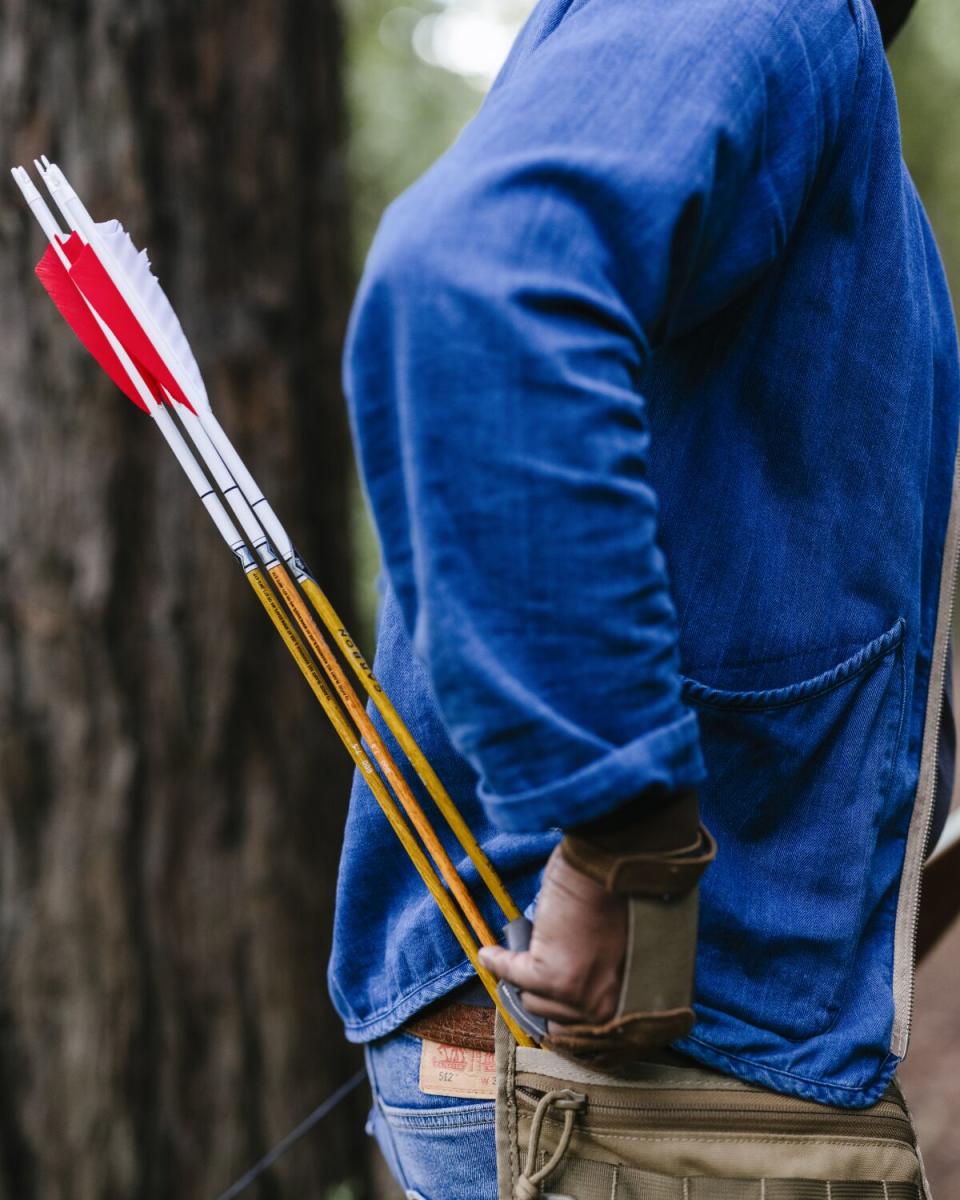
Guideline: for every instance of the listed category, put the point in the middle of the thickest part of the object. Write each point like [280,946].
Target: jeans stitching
[479,1116]
[385,1123]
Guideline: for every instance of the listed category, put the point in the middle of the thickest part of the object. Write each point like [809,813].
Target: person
[654,387]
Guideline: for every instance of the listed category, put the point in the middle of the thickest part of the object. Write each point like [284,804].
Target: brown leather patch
[666,873]
[467,1025]
[621,1040]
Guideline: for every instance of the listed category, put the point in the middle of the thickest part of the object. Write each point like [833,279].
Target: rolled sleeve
[637,169]
[668,756]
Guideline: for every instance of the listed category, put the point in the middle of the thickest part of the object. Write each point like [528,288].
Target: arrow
[116,278]
[95,315]
[106,288]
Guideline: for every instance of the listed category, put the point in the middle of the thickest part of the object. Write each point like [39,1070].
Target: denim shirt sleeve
[634,169]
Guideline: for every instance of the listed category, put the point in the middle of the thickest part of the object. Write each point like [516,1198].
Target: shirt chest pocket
[799,797]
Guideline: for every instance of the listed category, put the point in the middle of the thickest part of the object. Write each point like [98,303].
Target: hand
[572,973]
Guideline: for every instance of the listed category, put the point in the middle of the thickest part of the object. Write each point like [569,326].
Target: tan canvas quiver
[672,1131]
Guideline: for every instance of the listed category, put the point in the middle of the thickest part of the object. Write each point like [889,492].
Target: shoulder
[721,22]
[766,69]
[769,37]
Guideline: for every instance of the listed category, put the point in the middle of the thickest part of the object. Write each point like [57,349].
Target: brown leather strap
[455,1024]
[672,873]
[655,821]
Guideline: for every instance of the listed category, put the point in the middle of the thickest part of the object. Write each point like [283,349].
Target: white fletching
[129,269]
[135,282]
[135,265]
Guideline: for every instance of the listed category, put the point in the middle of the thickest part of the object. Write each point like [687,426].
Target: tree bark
[170,799]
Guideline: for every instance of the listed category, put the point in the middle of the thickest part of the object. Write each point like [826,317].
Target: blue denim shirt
[653,379]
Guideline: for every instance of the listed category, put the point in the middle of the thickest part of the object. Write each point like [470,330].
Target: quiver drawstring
[569,1103]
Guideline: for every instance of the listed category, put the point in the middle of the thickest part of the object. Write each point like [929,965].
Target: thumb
[518,967]
[496,959]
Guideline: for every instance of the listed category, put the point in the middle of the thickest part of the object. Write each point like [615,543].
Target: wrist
[657,819]
[654,846]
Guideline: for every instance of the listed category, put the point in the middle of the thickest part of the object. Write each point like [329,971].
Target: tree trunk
[171,800]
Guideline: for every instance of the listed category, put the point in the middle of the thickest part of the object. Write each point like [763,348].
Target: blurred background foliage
[416,73]
[926,66]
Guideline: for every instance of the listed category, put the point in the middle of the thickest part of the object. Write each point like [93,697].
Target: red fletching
[63,292]
[91,278]
[72,247]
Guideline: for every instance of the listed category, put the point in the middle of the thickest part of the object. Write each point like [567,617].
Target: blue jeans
[437,1148]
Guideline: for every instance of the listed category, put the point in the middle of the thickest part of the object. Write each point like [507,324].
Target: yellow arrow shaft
[347,735]
[418,759]
[391,772]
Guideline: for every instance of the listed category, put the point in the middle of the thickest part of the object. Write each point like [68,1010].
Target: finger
[520,968]
[554,1010]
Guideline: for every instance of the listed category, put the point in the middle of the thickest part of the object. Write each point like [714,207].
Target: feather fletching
[136,267]
[60,288]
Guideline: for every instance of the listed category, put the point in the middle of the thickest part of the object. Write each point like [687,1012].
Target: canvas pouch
[670,1130]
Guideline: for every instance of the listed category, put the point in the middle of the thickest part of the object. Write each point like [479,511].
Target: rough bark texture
[170,799]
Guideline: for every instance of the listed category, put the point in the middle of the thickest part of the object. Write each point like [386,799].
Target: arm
[625,179]
[634,172]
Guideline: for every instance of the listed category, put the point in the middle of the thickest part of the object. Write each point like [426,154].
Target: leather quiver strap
[661,888]
[655,1005]
[666,873]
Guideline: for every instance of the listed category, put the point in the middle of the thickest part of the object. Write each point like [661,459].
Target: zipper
[659,1111]
[903,1006]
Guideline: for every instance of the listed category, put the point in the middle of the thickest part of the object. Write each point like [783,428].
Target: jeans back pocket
[437,1147]
[797,791]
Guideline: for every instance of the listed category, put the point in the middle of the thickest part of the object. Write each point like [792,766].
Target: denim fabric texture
[436,1147]
[653,380]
